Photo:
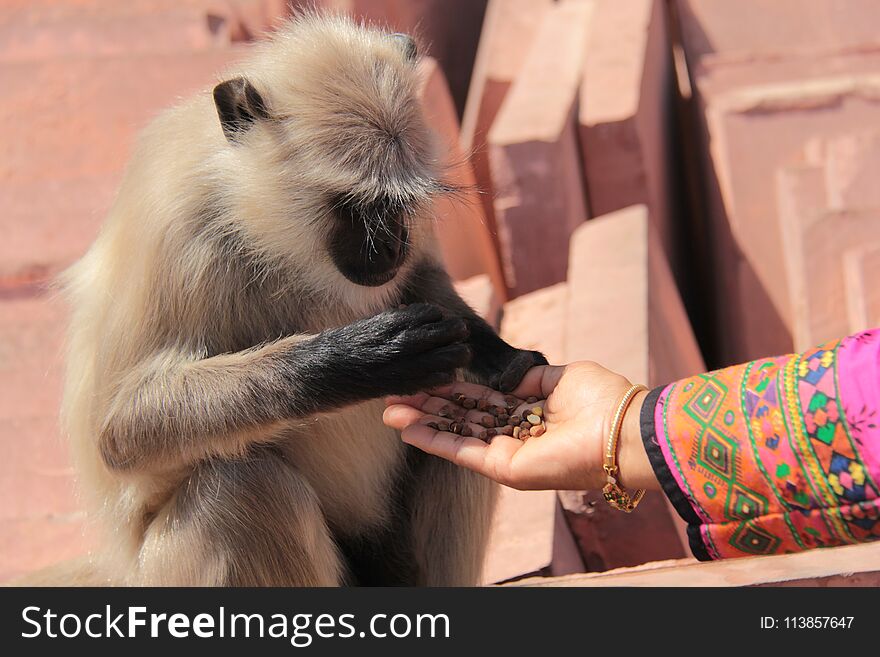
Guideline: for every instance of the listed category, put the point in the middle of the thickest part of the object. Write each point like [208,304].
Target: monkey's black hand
[503,367]
[395,352]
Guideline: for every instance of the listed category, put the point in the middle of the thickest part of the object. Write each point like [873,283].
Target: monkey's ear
[407,44]
[239,104]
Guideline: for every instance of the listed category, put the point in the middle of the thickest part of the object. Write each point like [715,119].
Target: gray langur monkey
[239,317]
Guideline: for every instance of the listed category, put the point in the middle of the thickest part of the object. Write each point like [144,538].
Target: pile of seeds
[497,420]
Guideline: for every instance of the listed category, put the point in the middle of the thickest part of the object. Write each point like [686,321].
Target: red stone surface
[479,293]
[66,130]
[818,255]
[757,120]
[529,532]
[827,250]
[529,537]
[534,158]
[41,29]
[509,28]
[748,29]
[852,163]
[40,520]
[861,267]
[80,78]
[633,323]
[460,224]
[625,115]
[851,565]
[537,320]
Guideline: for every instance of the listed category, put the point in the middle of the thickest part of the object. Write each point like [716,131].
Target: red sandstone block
[68,117]
[250,19]
[41,30]
[861,272]
[40,521]
[624,311]
[750,28]
[509,28]
[801,194]
[66,129]
[851,565]
[537,321]
[479,293]
[48,223]
[534,157]
[32,325]
[528,537]
[529,533]
[617,271]
[837,174]
[817,248]
[37,477]
[625,118]
[852,167]
[757,120]
[460,225]
[28,544]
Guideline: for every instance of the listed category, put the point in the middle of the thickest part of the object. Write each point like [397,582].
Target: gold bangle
[616,496]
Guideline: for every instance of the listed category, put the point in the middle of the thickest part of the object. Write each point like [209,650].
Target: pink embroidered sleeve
[776,455]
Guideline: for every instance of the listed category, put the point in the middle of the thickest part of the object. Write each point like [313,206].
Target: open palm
[580,399]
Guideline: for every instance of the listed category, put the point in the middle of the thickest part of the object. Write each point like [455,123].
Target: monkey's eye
[407,44]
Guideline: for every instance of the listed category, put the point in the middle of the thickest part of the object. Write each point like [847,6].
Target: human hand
[581,399]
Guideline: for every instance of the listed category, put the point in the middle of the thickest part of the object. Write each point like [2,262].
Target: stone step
[625,312]
[756,120]
[625,116]
[861,267]
[460,224]
[749,29]
[534,156]
[479,293]
[850,565]
[67,127]
[529,534]
[816,251]
[45,29]
[509,28]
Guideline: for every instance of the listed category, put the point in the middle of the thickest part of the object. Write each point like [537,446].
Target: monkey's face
[336,105]
[369,240]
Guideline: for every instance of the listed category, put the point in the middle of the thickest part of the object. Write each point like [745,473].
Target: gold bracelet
[616,496]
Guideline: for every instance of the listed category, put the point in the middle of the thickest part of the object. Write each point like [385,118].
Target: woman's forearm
[635,467]
[776,455]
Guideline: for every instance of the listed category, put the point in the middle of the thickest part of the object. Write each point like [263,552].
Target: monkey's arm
[494,362]
[176,409]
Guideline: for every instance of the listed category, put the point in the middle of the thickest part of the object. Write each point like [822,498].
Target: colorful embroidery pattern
[769,455]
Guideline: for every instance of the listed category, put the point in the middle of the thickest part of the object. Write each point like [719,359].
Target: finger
[400,416]
[426,403]
[445,358]
[539,381]
[415,400]
[442,333]
[491,460]
[422,313]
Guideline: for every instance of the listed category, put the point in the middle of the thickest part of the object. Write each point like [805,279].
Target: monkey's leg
[253,521]
[176,409]
[451,513]
[493,362]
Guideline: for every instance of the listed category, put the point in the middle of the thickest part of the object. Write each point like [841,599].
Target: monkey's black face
[368,240]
